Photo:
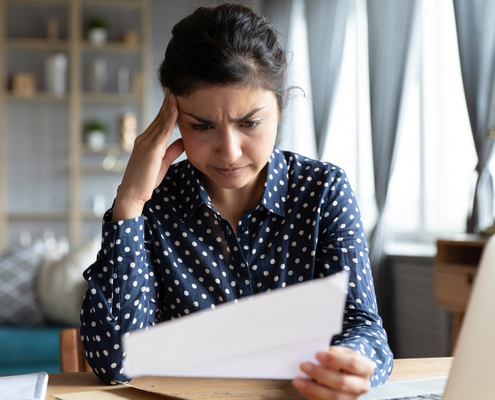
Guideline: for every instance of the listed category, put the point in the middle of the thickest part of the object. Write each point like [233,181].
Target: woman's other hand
[149,162]
[342,374]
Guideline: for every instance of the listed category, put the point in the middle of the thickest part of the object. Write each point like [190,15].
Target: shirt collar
[193,193]
[276,185]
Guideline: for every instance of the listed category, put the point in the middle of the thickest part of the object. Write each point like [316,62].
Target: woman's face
[228,134]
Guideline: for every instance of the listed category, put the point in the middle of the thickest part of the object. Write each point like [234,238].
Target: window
[430,193]
[348,142]
[432,182]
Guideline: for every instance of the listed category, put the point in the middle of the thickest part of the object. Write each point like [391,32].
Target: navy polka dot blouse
[181,256]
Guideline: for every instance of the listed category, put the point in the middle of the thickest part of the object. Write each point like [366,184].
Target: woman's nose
[229,146]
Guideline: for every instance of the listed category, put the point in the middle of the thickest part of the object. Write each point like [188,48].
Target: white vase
[56,74]
[95,140]
[97,36]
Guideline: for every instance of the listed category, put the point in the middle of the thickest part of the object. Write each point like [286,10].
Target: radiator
[418,327]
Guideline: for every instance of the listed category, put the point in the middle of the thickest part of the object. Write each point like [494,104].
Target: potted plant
[97,31]
[94,134]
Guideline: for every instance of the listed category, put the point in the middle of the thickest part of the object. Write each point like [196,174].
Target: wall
[417,327]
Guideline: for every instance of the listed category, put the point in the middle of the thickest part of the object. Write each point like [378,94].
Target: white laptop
[473,370]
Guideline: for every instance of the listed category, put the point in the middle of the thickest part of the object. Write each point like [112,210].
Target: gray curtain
[278,13]
[390,39]
[326,33]
[296,131]
[475,20]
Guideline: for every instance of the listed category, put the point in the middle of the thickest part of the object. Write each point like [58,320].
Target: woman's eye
[202,127]
[250,124]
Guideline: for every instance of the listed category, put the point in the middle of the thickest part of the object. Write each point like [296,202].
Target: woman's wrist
[126,208]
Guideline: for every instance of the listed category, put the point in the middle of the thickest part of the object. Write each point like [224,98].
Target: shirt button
[245,229]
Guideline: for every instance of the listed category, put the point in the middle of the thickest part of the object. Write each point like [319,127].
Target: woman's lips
[230,171]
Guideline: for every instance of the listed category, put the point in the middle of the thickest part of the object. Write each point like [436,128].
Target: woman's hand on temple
[149,162]
[342,374]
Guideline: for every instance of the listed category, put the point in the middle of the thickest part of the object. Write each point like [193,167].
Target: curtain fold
[391,44]
[327,22]
[476,40]
[296,131]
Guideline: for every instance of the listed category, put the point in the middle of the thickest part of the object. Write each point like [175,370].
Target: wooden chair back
[71,352]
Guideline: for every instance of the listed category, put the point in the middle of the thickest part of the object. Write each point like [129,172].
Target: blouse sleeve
[122,296]
[342,246]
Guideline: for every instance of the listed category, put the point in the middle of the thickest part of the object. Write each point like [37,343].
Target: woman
[238,217]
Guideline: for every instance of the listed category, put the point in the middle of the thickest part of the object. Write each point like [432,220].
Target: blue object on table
[26,350]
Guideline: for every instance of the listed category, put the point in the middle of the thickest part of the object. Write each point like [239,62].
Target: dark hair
[224,45]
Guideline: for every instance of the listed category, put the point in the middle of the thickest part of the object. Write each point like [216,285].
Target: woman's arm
[123,290]
[122,296]
[149,162]
[366,358]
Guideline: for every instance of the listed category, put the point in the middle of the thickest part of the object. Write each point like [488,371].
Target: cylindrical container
[56,74]
[98,79]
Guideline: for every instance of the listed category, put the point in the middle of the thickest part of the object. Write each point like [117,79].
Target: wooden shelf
[105,150]
[39,215]
[113,3]
[112,47]
[456,263]
[34,2]
[39,97]
[40,44]
[111,98]
[78,103]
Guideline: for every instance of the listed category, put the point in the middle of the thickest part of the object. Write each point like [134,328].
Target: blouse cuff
[121,238]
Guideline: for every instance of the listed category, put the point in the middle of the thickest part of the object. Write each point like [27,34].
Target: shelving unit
[76,106]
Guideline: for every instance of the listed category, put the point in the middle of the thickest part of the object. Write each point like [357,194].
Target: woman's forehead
[216,102]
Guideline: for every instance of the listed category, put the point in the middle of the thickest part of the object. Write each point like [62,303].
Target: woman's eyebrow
[199,119]
[248,115]
[237,120]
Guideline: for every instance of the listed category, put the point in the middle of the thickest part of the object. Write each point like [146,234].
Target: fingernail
[173,109]
[306,367]
[171,95]
[322,356]
[299,383]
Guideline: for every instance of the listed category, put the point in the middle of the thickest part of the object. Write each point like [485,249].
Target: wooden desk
[200,388]
[455,268]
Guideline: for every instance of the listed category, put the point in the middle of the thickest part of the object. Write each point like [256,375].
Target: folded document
[267,335]
[24,387]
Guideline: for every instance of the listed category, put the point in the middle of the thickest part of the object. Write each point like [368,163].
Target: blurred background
[398,94]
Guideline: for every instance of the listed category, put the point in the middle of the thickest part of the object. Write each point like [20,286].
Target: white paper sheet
[264,336]
[26,387]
